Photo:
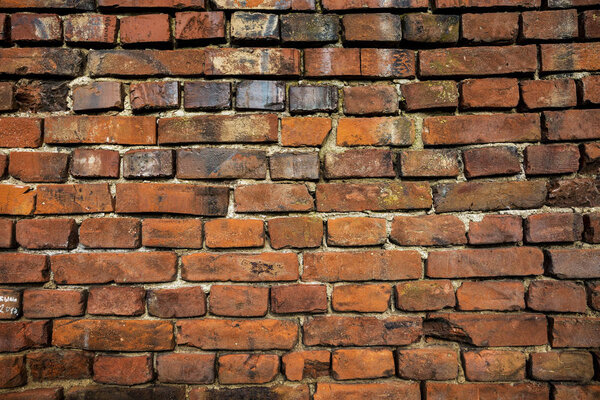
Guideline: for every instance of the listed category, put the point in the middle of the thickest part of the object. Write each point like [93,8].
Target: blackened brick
[207,95]
[307,99]
[148,163]
[309,28]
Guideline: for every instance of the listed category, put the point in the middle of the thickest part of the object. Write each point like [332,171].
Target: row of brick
[211,26]
[318,62]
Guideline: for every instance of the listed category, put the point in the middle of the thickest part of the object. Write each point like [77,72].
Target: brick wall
[299,199]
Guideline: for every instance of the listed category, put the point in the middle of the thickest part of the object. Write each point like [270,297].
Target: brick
[231,233]
[142,393]
[116,300]
[42,303]
[557,227]
[556,296]
[185,368]
[148,28]
[309,28]
[246,128]
[62,364]
[303,5]
[332,62]
[570,57]
[494,365]
[90,29]
[571,124]
[356,231]
[265,197]
[50,233]
[252,61]
[478,61]
[367,196]
[591,223]
[10,304]
[491,128]
[299,299]
[4,29]
[431,28]
[591,26]
[333,330]
[154,95]
[207,95]
[113,334]
[489,93]
[194,25]
[239,301]
[41,61]
[575,332]
[510,391]
[562,366]
[147,163]
[184,62]
[590,85]
[100,130]
[98,96]
[486,3]
[299,365]
[260,95]
[255,5]
[491,295]
[23,268]
[296,392]
[564,159]
[362,364]
[81,268]
[16,200]
[73,5]
[432,363]
[13,373]
[490,161]
[163,232]
[429,163]
[373,27]
[424,295]
[95,163]
[375,131]
[295,232]
[388,63]
[428,230]
[177,4]
[586,392]
[384,265]
[3,165]
[549,93]
[493,330]
[22,335]
[339,5]
[549,25]
[38,167]
[361,298]
[248,368]
[42,95]
[359,163]
[371,99]
[220,163]
[573,263]
[122,233]
[123,370]
[20,132]
[430,94]
[486,196]
[212,334]
[576,192]
[258,267]
[172,198]
[310,99]
[305,131]
[176,303]
[74,199]
[330,391]
[35,28]
[490,27]
[593,290]
[294,166]
[252,26]
[7,98]
[467,263]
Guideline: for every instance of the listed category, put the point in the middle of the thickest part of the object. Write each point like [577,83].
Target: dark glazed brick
[98,96]
[36,96]
[309,28]
[307,99]
[260,95]
[207,95]
[254,26]
[148,164]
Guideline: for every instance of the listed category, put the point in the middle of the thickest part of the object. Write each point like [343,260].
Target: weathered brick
[295,232]
[116,300]
[269,197]
[41,61]
[7,96]
[260,95]
[35,28]
[48,303]
[551,24]
[250,26]
[73,199]
[10,304]
[185,62]
[362,364]
[310,99]
[117,233]
[490,27]
[571,124]
[90,29]
[510,391]
[490,161]
[147,28]
[556,296]
[553,227]
[239,301]
[42,95]
[295,392]
[154,95]
[248,368]
[72,5]
[570,57]
[20,132]
[359,163]
[207,95]
[489,93]
[590,86]
[424,295]
[221,163]
[430,94]
[430,363]
[23,268]
[361,298]
[16,200]
[100,130]
[555,93]
[194,25]
[573,263]
[388,63]
[62,364]
[122,370]
[591,223]
[50,233]
[254,5]
[591,24]
[177,303]
[491,295]
[307,131]
[577,192]
[339,5]
[252,61]
[428,230]
[371,99]
[551,159]
[98,96]
[299,299]
[101,392]
[22,335]
[494,365]
[309,28]
[13,373]
[294,166]
[3,165]
[496,229]
[332,62]
[147,164]
[164,232]
[575,331]
[299,365]
[431,28]
[562,366]
[373,27]
[231,232]
[152,4]
[429,163]
[38,167]
[486,3]
[185,368]
[585,392]
[375,131]
[95,163]
[356,231]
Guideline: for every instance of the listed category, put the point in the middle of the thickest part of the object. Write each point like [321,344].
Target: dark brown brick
[294,166]
[96,96]
[489,161]
[146,163]
[154,95]
[207,95]
[221,163]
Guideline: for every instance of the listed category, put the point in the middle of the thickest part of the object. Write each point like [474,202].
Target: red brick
[7,233]
[430,363]
[371,99]
[490,27]
[163,232]
[304,131]
[399,390]
[13,372]
[356,231]
[591,24]
[428,230]
[295,232]
[556,93]
[254,5]
[148,163]
[17,200]
[299,365]
[387,63]
[185,368]
[110,233]
[264,334]
[154,95]
[491,295]
[95,163]
[20,132]
[23,335]
[572,124]
[176,303]
[252,61]
[41,61]
[10,304]
[53,365]
[551,24]
[81,268]
[359,163]
[49,303]
[591,223]
[230,232]
[38,166]
[424,295]
[172,198]
[73,199]
[123,370]
[429,163]
[100,130]
[294,166]
[575,332]
[361,298]
[556,296]
[593,289]
[148,28]
[570,57]
[239,301]
[573,263]
[590,85]
[51,233]
[90,28]
[430,95]
[362,364]
[298,299]
[7,95]
[517,391]
[362,265]
[35,28]
[184,62]
[113,334]
[494,365]
[478,61]
[248,368]
[468,129]
[562,366]
[23,268]
[489,93]
[340,5]
[557,227]
[266,197]
[490,161]
[116,300]
[465,263]
[257,267]
[372,28]
[332,62]
[376,131]
[192,25]
[565,392]
[551,159]
[152,4]
[104,95]
[576,192]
